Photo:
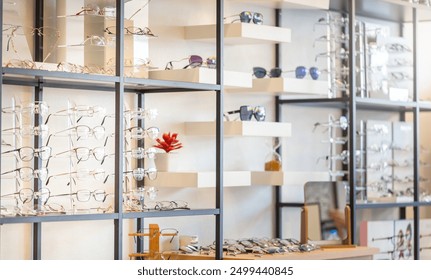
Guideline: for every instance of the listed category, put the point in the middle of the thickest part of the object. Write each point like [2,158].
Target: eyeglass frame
[246,113]
[37,152]
[35,173]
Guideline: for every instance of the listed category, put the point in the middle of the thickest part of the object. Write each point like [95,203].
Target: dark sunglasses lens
[195,60]
[258,18]
[245,17]
[259,72]
[300,72]
[259,113]
[245,113]
[275,72]
[314,73]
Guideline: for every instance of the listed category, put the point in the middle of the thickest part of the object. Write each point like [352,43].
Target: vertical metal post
[416,123]
[219,128]
[141,143]
[1,93]
[119,129]
[38,96]
[352,117]
[278,209]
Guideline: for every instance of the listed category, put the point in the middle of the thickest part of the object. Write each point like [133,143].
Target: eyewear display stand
[344,243]
[351,104]
[153,236]
[119,84]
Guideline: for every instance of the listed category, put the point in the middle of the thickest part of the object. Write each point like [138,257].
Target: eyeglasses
[26,195]
[81,132]
[194,61]
[27,174]
[138,132]
[29,130]
[83,153]
[83,173]
[87,69]
[96,10]
[131,30]
[38,107]
[31,31]
[260,72]
[138,114]
[246,112]
[300,72]
[85,195]
[92,40]
[248,17]
[397,48]
[342,53]
[28,153]
[142,113]
[18,63]
[80,111]
[138,174]
[342,123]
[138,153]
[168,205]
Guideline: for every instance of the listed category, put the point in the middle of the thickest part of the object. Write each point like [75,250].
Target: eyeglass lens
[248,17]
[247,112]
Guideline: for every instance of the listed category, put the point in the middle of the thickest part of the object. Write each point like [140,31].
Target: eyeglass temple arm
[10,151]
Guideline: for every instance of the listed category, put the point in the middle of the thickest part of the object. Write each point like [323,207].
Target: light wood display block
[232,79]
[289,4]
[293,178]
[241,128]
[199,179]
[282,86]
[358,252]
[239,33]
[267,178]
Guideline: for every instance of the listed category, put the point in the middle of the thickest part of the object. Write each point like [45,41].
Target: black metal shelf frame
[119,85]
[397,11]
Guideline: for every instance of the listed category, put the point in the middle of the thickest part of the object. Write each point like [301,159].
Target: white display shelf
[241,128]
[199,179]
[286,86]
[289,4]
[239,33]
[207,179]
[232,79]
[299,178]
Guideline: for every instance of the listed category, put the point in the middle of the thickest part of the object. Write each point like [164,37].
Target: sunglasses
[248,17]
[194,61]
[246,112]
[300,72]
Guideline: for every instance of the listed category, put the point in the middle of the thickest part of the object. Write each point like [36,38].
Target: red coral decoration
[168,142]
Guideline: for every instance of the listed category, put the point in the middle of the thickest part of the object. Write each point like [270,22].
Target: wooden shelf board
[239,33]
[267,178]
[232,79]
[290,86]
[241,128]
[199,179]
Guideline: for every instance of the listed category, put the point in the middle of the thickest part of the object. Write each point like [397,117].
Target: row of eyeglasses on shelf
[384,161]
[28,202]
[75,153]
[393,54]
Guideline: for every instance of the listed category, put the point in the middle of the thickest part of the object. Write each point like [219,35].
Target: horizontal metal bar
[387,205]
[58,218]
[59,74]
